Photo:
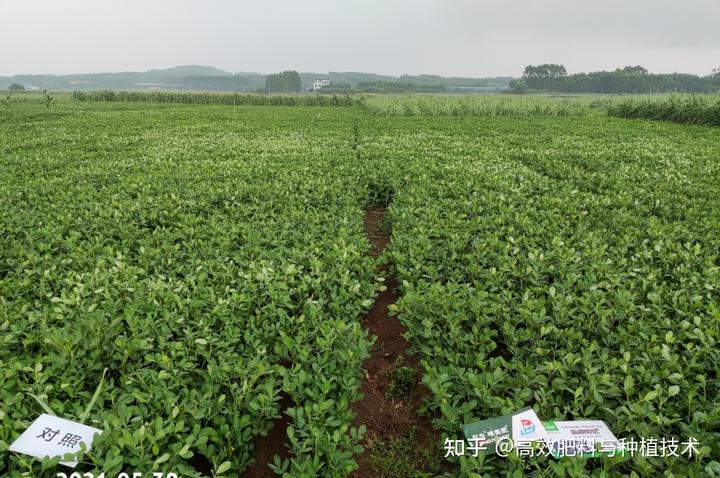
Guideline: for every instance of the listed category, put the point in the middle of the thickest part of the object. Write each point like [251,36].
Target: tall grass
[445,105]
[216,98]
[691,109]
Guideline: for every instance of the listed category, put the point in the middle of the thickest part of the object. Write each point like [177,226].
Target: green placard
[522,425]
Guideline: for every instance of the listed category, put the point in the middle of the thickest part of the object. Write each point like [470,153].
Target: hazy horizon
[246,72]
[462,38]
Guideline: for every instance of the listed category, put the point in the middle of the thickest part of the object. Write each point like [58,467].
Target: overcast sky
[447,37]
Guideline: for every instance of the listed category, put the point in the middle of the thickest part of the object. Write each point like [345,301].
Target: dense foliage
[568,264]
[247,82]
[399,87]
[518,86]
[692,109]
[628,80]
[544,76]
[211,267]
[216,98]
[284,82]
[213,259]
[478,105]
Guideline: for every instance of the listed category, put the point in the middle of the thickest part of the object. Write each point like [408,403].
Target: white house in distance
[318,84]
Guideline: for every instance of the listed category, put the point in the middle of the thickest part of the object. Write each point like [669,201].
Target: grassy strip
[690,109]
[216,98]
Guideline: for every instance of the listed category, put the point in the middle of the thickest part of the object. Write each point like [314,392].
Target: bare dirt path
[387,413]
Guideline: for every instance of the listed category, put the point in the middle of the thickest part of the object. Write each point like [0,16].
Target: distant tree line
[404,87]
[215,83]
[285,82]
[451,82]
[544,77]
[631,80]
[399,87]
[518,86]
[354,79]
[547,77]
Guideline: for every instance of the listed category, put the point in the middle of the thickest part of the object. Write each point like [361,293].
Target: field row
[210,269]
[572,269]
[213,259]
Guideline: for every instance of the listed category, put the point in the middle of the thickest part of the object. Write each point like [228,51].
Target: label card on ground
[50,436]
[589,438]
[521,426]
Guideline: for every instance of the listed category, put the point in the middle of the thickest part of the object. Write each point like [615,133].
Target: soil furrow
[274,443]
[389,408]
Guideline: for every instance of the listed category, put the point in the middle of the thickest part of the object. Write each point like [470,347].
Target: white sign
[526,426]
[50,436]
[582,437]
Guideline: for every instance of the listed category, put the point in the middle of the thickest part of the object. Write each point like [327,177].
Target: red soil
[387,417]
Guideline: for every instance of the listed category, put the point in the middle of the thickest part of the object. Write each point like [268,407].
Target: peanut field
[203,267]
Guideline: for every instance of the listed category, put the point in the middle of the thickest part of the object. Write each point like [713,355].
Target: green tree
[544,76]
[16,87]
[629,79]
[633,70]
[47,99]
[518,86]
[284,82]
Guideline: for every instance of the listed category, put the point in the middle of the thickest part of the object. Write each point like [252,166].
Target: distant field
[213,259]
